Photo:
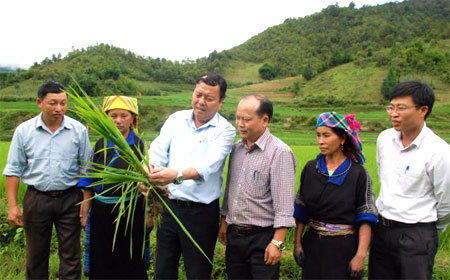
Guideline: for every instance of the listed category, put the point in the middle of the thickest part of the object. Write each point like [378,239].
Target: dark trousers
[245,255]
[125,259]
[202,222]
[328,257]
[41,212]
[403,252]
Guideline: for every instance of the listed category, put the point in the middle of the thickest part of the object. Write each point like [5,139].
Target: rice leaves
[126,180]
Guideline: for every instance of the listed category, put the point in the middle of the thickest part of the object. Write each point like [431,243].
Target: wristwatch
[179,179]
[279,244]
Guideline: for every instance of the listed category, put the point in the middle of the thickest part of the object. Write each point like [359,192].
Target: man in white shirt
[189,156]
[414,200]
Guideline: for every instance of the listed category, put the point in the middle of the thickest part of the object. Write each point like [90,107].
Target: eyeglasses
[400,109]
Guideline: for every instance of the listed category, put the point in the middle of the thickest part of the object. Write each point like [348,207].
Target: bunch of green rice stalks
[126,180]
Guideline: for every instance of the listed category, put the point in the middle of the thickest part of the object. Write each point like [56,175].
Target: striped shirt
[260,184]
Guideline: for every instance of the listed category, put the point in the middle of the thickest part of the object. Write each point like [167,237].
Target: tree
[267,71]
[307,72]
[388,83]
[296,89]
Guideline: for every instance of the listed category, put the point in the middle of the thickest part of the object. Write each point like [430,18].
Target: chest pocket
[411,181]
[259,183]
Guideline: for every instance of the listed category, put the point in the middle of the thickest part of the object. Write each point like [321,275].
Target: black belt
[53,193]
[249,229]
[391,223]
[186,203]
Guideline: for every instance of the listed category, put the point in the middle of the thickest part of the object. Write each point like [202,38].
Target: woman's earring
[342,147]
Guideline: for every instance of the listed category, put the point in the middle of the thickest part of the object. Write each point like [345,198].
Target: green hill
[349,52]
[339,35]
[411,37]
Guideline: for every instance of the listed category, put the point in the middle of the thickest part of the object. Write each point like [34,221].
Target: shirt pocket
[412,181]
[259,184]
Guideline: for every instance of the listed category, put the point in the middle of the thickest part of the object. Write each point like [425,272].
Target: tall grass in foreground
[128,180]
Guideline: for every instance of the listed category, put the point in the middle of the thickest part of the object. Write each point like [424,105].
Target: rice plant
[127,180]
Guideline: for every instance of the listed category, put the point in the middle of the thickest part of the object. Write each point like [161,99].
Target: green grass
[26,88]
[12,256]
[239,71]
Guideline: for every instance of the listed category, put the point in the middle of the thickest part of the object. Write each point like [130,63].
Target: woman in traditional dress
[336,203]
[111,254]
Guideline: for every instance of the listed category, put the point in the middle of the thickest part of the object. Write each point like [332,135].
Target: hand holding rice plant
[133,181]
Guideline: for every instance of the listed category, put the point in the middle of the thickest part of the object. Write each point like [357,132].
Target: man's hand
[85,206]
[143,189]
[15,216]
[14,213]
[223,231]
[272,255]
[83,215]
[299,255]
[163,176]
[356,266]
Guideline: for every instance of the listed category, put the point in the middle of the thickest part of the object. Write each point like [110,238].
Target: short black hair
[421,94]
[265,105]
[213,79]
[49,87]
[349,149]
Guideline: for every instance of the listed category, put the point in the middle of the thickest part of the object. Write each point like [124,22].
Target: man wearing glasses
[414,200]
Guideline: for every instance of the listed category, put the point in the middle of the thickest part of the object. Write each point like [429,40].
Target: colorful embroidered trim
[331,229]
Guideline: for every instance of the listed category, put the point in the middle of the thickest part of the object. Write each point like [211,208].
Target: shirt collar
[421,135]
[416,142]
[214,121]
[129,139]
[261,142]
[339,175]
[40,123]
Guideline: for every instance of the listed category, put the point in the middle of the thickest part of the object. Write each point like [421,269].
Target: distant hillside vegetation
[411,38]
[340,35]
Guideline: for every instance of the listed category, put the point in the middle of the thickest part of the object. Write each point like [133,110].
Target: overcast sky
[174,29]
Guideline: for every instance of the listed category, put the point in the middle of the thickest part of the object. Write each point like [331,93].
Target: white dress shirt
[181,144]
[415,180]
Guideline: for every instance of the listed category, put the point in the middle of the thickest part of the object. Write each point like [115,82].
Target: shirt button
[243,169]
[239,185]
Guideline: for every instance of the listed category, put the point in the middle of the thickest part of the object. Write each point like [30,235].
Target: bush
[267,71]
[151,92]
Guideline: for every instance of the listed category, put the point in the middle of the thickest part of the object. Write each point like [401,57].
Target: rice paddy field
[12,252]
[292,122]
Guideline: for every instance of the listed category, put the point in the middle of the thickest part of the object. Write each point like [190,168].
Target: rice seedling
[127,180]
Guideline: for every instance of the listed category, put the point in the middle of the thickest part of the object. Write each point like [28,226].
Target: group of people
[335,215]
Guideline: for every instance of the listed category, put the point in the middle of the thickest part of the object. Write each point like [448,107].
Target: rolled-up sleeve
[366,210]
[282,187]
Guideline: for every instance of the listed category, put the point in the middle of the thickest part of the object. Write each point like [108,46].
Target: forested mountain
[338,35]
[409,37]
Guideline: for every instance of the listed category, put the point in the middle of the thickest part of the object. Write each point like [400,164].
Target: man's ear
[424,110]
